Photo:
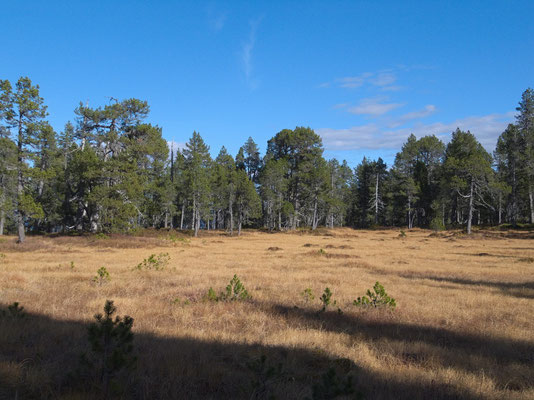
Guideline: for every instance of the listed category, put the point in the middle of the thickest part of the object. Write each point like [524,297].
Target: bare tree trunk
[409,212]
[193,221]
[280,212]
[182,217]
[470,215]
[197,222]
[231,212]
[500,208]
[376,200]
[531,203]
[314,220]
[2,221]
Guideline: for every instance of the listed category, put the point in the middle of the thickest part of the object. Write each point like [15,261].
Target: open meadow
[463,326]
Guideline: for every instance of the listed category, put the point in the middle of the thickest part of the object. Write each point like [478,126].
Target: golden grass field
[463,326]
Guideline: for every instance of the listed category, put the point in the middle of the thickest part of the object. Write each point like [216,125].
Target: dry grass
[463,327]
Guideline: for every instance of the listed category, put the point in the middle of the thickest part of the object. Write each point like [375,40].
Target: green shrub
[14,311]
[264,376]
[437,224]
[101,236]
[2,258]
[157,262]
[377,298]
[111,349]
[332,387]
[211,295]
[72,266]
[321,252]
[102,276]
[326,298]
[402,234]
[235,291]
[307,295]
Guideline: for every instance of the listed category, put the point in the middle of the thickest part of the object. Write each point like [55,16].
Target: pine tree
[23,110]
[197,164]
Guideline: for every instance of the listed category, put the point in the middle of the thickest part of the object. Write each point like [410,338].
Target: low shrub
[102,276]
[377,298]
[157,262]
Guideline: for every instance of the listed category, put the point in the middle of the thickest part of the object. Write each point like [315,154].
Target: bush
[264,376]
[307,295]
[157,262]
[377,298]
[326,299]
[235,291]
[332,387]
[14,311]
[402,234]
[111,349]
[102,276]
[437,224]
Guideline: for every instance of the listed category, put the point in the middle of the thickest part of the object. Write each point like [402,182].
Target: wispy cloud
[381,79]
[246,53]
[372,136]
[403,119]
[216,18]
[373,107]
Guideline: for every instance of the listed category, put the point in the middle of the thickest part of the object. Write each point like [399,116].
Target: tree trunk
[231,212]
[193,215]
[197,222]
[182,217]
[409,212]
[500,208]
[2,221]
[470,215]
[376,200]
[314,220]
[531,203]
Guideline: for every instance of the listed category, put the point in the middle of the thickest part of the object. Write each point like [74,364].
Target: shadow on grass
[38,355]
[510,363]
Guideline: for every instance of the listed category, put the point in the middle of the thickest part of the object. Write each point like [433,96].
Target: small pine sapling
[332,387]
[377,298]
[307,295]
[264,375]
[111,348]
[235,291]
[102,276]
[157,262]
[14,311]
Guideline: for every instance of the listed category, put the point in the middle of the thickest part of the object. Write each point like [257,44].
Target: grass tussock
[462,326]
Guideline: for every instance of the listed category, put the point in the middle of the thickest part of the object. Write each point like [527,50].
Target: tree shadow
[499,358]
[39,356]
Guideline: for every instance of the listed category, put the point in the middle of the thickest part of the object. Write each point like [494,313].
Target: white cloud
[403,119]
[373,107]
[175,146]
[382,79]
[486,128]
[246,53]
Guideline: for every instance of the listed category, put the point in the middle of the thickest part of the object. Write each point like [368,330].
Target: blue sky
[363,74]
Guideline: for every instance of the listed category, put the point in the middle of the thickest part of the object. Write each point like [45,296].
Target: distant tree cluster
[112,171]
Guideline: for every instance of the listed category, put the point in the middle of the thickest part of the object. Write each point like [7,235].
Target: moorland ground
[463,326]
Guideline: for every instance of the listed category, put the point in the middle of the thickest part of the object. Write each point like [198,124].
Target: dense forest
[111,171]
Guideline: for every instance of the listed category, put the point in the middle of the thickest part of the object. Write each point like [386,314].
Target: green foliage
[156,262]
[321,252]
[402,234]
[264,376]
[14,311]
[332,387]
[72,266]
[326,299]
[111,349]
[2,258]
[307,295]
[102,276]
[437,224]
[376,298]
[235,291]
[101,236]
[211,295]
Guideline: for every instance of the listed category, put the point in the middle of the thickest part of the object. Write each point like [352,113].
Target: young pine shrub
[110,357]
[326,300]
[307,295]
[264,377]
[102,276]
[157,262]
[14,311]
[377,298]
[332,387]
[235,291]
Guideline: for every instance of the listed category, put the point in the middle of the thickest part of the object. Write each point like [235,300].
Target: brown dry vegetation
[463,327]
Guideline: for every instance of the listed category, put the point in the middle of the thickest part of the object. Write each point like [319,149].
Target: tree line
[112,171]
